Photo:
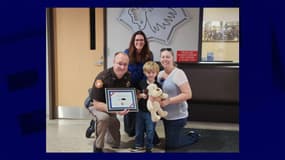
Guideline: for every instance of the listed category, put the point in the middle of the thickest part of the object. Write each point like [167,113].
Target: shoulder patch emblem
[99,83]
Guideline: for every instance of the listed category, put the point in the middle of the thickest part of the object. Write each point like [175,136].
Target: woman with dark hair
[139,53]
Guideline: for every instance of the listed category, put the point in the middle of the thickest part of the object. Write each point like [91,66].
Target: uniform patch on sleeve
[99,83]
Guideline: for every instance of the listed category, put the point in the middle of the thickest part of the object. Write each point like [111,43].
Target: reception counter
[215,89]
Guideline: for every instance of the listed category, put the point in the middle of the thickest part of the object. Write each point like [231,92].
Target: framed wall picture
[220,31]
[118,99]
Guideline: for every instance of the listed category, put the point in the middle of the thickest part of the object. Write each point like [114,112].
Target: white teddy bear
[155,95]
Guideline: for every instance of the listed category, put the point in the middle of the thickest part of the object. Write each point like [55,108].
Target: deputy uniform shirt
[108,79]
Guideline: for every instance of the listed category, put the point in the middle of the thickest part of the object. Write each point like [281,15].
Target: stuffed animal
[155,95]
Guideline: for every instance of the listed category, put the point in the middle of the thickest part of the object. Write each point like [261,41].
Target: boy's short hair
[151,66]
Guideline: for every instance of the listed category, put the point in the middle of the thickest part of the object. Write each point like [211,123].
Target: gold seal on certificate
[118,99]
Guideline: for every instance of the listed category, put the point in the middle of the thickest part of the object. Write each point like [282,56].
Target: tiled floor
[67,135]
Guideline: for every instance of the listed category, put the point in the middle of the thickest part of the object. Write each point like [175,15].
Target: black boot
[90,129]
[97,150]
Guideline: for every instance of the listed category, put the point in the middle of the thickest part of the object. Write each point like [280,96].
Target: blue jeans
[176,135]
[144,124]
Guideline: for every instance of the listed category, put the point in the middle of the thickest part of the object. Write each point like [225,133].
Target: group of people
[135,68]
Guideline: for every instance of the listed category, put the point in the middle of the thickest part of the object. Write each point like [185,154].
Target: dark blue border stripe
[32,122]
[21,80]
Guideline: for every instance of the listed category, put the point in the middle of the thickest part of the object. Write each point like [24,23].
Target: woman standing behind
[139,53]
[175,83]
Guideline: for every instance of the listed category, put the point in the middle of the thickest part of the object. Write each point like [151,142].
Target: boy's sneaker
[148,150]
[158,143]
[137,149]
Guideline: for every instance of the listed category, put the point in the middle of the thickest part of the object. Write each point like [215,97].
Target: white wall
[185,37]
[218,14]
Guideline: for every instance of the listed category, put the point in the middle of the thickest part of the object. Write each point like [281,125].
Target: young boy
[144,124]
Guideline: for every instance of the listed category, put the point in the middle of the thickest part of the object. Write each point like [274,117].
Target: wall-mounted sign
[187,56]
[157,23]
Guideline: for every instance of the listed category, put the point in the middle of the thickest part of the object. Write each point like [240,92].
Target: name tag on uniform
[118,99]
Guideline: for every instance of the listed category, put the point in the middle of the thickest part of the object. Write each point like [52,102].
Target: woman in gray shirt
[175,83]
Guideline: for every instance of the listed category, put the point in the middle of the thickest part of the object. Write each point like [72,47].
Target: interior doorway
[73,64]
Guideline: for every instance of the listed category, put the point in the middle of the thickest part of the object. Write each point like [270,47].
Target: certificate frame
[118,99]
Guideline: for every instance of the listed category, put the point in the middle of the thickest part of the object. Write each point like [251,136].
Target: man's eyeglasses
[165,49]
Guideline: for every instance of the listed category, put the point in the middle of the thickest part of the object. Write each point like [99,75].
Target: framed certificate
[118,99]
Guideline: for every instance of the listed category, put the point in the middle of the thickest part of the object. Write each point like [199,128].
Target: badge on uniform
[99,83]
[128,84]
